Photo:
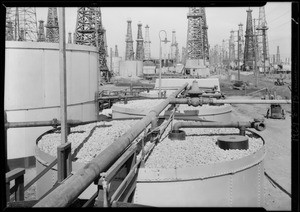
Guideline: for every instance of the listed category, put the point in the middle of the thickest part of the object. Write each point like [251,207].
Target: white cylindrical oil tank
[197,173]
[131,68]
[32,89]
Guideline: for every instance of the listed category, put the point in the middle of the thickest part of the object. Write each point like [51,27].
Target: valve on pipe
[177,134]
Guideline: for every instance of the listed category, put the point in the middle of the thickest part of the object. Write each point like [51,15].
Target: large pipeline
[70,189]
[260,126]
[200,101]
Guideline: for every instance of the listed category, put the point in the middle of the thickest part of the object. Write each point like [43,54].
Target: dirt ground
[277,136]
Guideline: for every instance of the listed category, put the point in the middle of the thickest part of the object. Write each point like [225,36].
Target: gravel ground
[198,148]
[88,140]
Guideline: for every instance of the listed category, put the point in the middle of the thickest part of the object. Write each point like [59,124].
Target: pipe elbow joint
[259,126]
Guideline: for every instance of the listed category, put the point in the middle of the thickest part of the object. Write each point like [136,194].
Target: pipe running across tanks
[73,186]
[201,101]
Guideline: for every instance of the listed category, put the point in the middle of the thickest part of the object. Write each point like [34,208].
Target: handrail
[66,193]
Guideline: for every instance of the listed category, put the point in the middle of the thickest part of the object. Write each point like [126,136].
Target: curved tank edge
[203,171]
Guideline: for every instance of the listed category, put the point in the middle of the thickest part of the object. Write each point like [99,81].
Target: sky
[220,21]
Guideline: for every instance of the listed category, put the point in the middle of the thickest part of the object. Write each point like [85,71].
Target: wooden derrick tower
[194,34]
[89,31]
[147,51]
[52,30]
[129,54]
[262,37]
[41,32]
[139,44]
[21,24]
[204,34]
[249,52]
[241,42]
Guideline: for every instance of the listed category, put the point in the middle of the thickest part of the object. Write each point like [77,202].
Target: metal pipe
[67,192]
[199,101]
[38,123]
[260,126]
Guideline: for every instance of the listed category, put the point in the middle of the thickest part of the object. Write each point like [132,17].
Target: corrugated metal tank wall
[32,89]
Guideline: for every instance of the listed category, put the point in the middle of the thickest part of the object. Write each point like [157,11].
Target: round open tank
[139,108]
[32,88]
[87,141]
[229,183]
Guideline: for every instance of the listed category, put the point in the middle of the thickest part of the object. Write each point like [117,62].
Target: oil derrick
[174,48]
[278,60]
[101,35]
[129,54]
[147,53]
[85,32]
[52,30]
[116,51]
[105,42]
[195,34]
[241,42]
[205,37]
[89,31]
[262,39]
[24,24]
[139,44]
[69,37]
[41,32]
[249,43]
[231,47]
[9,31]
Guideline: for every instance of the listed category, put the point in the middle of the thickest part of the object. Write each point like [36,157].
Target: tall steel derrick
[139,44]
[129,54]
[52,30]
[241,42]
[89,31]
[231,47]
[41,32]
[194,35]
[147,52]
[197,41]
[105,41]
[174,48]
[262,37]
[205,37]
[21,23]
[249,52]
